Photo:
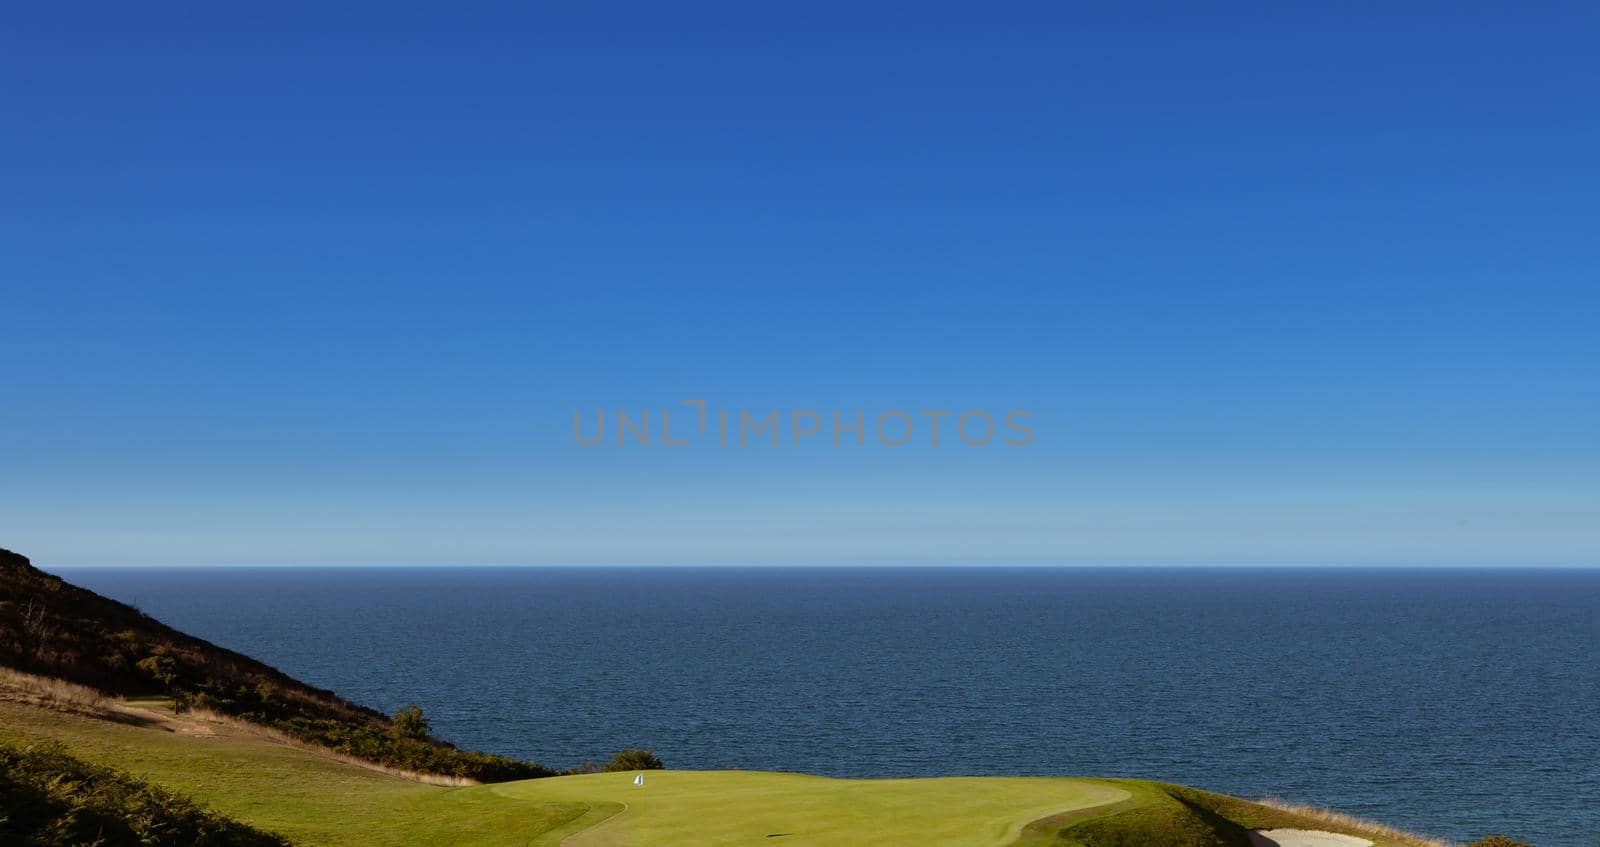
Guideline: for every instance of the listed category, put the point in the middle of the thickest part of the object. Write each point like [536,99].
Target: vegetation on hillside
[51,799]
[52,628]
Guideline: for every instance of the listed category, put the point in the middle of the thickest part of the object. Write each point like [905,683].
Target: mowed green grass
[318,801]
[715,808]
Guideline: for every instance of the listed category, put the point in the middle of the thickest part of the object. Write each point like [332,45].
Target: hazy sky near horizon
[326,284]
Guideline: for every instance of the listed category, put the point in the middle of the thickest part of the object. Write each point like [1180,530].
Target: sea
[1452,702]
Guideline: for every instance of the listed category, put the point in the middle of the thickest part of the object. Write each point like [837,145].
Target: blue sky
[1278,284]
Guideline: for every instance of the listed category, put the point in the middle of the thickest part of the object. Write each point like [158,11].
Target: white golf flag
[638,780]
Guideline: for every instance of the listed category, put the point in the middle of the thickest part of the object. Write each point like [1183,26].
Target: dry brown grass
[244,727]
[52,693]
[1350,822]
[58,694]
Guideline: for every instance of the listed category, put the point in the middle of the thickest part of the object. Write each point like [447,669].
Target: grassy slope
[1158,813]
[49,798]
[308,797]
[318,801]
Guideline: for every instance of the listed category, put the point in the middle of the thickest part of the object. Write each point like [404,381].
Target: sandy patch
[1304,838]
[180,724]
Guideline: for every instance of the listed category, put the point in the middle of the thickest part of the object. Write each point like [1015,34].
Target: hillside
[53,628]
[249,775]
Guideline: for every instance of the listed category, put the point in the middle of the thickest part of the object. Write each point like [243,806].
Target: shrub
[635,760]
[1499,841]
[161,668]
[410,722]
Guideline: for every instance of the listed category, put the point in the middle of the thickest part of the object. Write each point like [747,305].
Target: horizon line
[846,565]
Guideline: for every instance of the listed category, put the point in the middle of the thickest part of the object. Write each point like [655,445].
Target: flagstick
[644,808]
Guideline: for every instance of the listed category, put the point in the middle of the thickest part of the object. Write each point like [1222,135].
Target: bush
[160,667]
[1499,841]
[635,760]
[410,722]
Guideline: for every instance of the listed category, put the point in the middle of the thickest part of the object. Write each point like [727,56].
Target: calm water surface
[1456,702]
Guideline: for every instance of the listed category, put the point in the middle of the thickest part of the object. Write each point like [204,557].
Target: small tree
[36,627]
[635,760]
[410,722]
[161,668]
[267,693]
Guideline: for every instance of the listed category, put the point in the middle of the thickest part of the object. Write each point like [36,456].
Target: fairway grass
[319,801]
[315,800]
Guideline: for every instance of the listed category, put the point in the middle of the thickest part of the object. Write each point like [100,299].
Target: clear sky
[326,283]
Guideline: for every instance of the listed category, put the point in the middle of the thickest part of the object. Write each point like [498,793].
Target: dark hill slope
[53,628]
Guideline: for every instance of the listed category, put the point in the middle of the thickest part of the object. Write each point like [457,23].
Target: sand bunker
[1305,838]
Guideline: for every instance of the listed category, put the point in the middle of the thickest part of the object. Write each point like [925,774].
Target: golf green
[714,808]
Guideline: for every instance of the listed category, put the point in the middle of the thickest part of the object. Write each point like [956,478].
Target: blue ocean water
[1452,702]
